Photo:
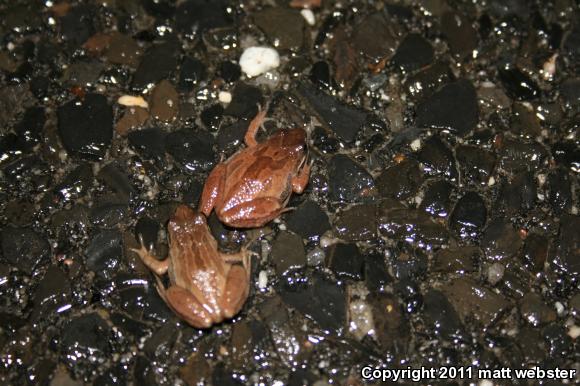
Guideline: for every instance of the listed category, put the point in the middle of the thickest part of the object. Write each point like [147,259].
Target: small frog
[253,186]
[207,286]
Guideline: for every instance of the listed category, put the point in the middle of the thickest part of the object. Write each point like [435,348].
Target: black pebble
[377,276]
[401,180]
[149,143]
[77,25]
[440,317]
[414,52]
[518,85]
[349,181]
[76,183]
[24,248]
[437,158]
[117,180]
[475,163]
[468,216]
[308,220]
[230,138]
[52,293]
[86,127]
[191,73]
[345,121]
[147,228]
[104,253]
[29,129]
[320,300]
[211,116]
[85,340]
[518,194]
[500,240]
[345,260]
[559,190]
[454,107]
[557,340]
[245,101]
[229,71]
[193,149]
[195,16]
[320,75]
[566,251]
[158,63]
[324,141]
[436,200]
[567,153]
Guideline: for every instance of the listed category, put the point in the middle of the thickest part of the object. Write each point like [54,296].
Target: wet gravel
[440,226]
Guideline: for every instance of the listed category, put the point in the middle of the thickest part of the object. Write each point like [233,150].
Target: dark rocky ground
[440,225]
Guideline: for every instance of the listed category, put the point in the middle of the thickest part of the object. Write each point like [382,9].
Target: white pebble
[262,279]
[495,273]
[258,60]
[225,97]
[315,257]
[361,319]
[574,332]
[130,100]
[308,15]
[550,67]
[560,309]
[416,144]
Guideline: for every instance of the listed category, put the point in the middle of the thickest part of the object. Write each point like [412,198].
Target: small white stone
[416,144]
[361,319]
[541,179]
[315,257]
[308,15]
[495,273]
[550,67]
[258,60]
[574,332]
[225,97]
[491,181]
[262,279]
[130,100]
[559,308]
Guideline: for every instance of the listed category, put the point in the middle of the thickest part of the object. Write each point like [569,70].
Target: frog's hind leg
[157,266]
[236,290]
[185,305]
[252,214]
[212,188]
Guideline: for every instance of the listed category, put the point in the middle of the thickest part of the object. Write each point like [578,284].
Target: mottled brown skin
[254,185]
[206,286]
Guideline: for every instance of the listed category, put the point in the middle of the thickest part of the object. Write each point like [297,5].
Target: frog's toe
[157,266]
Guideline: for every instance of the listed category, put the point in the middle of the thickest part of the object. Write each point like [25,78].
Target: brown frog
[206,286]
[253,186]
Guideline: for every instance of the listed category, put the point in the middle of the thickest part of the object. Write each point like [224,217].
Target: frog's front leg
[300,180]
[157,266]
[212,189]
[186,306]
